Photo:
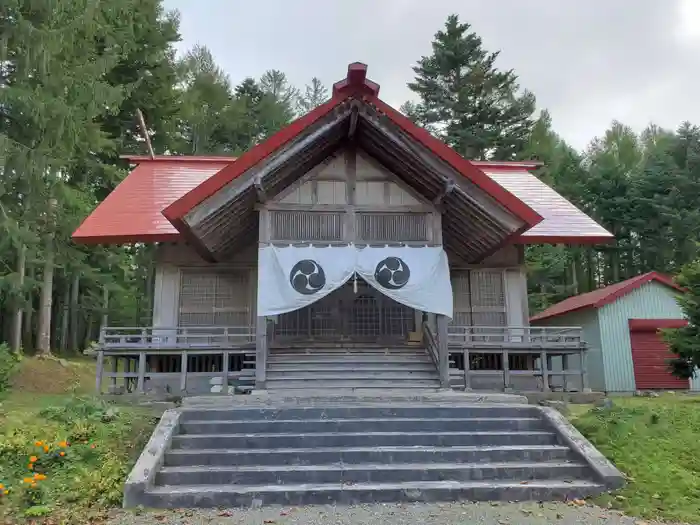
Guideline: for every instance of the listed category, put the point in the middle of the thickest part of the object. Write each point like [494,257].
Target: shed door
[650,355]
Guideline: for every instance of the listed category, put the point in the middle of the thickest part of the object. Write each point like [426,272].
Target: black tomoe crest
[307,277]
[392,273]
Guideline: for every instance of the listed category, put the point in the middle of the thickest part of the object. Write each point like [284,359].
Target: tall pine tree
[464,99]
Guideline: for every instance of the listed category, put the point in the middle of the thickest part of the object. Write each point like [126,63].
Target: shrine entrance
[355,313]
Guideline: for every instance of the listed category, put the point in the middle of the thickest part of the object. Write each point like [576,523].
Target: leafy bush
[9,362]
[68,460]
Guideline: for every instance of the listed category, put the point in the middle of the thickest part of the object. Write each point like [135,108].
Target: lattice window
[306,225]
[479,298]
[488,297]
[392,226]
[219,298]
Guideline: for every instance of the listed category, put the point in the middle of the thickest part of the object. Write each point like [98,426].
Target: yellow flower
[2,486]
[6,492]
[33,459]
[38,443]
[62,453]
[63,444]
[30,466]
[27,480]
[33,485]
[46,448]
[39,477]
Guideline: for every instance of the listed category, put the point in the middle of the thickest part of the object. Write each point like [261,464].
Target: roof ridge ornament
[356,80]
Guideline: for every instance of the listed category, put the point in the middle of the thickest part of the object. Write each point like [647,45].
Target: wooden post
[142,373]
[260,353]
[564,369]
[183,372]
[224,372]
[545,371]
[100,370]
[467,365]
[506,371]
[443,352]
[115,368]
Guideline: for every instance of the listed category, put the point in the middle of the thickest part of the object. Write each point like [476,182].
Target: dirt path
[390,514]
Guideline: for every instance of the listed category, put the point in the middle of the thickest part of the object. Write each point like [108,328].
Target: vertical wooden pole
[183,372]
[261,353]
[467,375]
[115,368]
[544,369]
[142,373]
[224,372]
[443,352]
[100,370]
[565,369]
[506,371]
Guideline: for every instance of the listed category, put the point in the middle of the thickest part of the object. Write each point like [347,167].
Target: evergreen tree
[685,342]
[466,101]
[313,96]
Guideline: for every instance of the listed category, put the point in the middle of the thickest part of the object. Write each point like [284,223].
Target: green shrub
[9,362]
[68,459]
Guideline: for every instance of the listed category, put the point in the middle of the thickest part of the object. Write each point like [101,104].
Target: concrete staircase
[238,457]
[392,367]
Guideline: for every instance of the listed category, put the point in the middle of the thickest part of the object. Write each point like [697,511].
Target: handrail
[176,337]
[431,344]
[516,336]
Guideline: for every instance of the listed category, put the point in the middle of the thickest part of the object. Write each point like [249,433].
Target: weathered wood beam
[259,190]
[354,117]
[450,186]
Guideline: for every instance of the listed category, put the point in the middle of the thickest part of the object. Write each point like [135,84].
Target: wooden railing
[431,344]
[515,336]
[173,338]
[174,356]
[517,358]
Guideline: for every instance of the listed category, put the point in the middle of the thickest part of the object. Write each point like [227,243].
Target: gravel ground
[389,514]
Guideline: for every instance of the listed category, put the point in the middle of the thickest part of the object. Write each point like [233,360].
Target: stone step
[342,352]
[203,496]
[292,426]
[330,382]
[350,366]
[354,375]
[418,411]
[369,473]
[363,439]
[356,455]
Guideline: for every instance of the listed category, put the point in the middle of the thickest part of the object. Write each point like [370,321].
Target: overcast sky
[588,62]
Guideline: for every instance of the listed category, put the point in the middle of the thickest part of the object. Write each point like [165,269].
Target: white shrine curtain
[292,277]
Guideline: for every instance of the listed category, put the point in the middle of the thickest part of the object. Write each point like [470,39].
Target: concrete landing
[370,396]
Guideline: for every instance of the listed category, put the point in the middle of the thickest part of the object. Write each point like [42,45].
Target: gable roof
[603,296]
[355,85]
[151,203]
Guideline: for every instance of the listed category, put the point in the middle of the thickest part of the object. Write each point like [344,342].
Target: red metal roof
[563,222]
[148,206]
[132,212]
[355,85]
[602,296]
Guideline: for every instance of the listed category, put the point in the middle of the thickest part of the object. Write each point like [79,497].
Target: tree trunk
[75,295]
[65,314]
[44,328]
[16,343]
[29,315]
[105,306]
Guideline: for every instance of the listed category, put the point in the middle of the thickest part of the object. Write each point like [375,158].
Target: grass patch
[64,454]
[655,442]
